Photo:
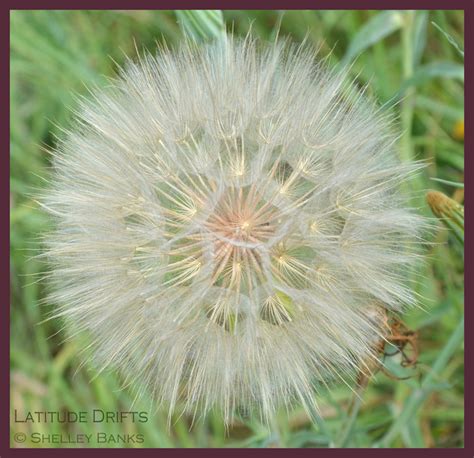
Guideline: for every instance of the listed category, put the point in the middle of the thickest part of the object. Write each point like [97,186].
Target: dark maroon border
[6,6]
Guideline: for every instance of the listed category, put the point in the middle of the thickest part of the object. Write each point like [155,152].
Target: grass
[415,57]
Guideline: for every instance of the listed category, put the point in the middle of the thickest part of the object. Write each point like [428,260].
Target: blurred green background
[413,57]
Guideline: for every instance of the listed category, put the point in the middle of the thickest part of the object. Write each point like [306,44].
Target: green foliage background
[56,54]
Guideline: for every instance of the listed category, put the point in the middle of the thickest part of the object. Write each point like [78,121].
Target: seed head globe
[230,226]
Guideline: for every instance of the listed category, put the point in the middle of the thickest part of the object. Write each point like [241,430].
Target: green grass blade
[376,29]
[202,25]
[420,28]
[450,39]
[454,184]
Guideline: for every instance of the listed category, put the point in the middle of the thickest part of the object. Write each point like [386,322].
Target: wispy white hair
[230,227]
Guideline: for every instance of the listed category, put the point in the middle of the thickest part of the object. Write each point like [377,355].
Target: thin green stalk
[418,396]
[202,25]
[348,427]
[407,110]
[407,149]
[319,421]
[323,429]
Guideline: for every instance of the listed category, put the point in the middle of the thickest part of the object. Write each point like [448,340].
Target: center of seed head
[238,228]
[242,216]
[242,231]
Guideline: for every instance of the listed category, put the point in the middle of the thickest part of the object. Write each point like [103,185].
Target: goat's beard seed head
[230,227]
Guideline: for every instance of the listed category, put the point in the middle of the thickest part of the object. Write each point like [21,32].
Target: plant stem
[202,25]
[408,102]
[354,411]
